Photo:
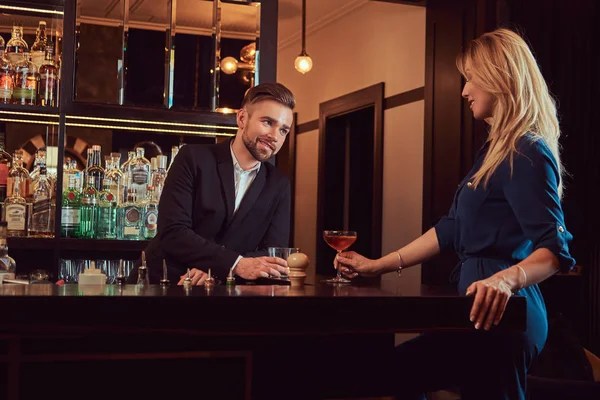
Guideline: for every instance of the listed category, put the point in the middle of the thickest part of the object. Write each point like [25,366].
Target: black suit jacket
[196,224]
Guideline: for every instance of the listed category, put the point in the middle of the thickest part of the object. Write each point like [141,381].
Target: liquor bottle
[5,160]
[150,215]
[7,81]
[26,83]
[48,80]
[16,49]
[139,173]
[39,158]
[38,49]
[95,169]
[107,212]
[18,171]
[7,263]
[42,206]
[71,202]
[160,176]
[2,46]
[126,175]
[130,218]
[153,169]
[15,212]
[88,211]
[116,176]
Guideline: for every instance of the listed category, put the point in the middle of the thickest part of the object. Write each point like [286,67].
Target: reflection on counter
[70,269]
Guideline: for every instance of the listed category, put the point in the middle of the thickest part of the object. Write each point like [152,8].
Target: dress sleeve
[532,192]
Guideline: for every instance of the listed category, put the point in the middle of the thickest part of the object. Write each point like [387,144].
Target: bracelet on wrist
[400,263]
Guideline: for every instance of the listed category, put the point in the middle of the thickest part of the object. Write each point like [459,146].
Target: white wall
[378,42]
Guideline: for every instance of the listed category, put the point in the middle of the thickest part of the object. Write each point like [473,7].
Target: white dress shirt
[242,181]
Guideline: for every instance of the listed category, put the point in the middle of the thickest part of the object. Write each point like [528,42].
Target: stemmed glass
[339,241]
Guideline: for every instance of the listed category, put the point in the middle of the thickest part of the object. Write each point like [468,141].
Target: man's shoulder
[198,152]
[275,175]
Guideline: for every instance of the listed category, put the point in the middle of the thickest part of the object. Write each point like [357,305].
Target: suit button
[561,229]
[469,184]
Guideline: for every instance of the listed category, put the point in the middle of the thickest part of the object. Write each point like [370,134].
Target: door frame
[372,96]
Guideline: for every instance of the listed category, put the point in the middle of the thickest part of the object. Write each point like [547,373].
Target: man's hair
[270,91]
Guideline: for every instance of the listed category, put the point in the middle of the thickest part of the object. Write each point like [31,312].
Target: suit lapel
[251,196]
[225,169]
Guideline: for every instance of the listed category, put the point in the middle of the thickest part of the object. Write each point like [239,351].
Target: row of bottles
[137,172]
[93,214]
[115,202]
[29,77]
[28,198]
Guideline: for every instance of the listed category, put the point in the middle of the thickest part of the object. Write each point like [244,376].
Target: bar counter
[243,342]
[243,309]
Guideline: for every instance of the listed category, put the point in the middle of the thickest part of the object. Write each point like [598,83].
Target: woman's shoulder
[532,155]
[533,147]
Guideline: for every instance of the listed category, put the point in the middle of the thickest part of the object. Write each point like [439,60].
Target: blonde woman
[506,224]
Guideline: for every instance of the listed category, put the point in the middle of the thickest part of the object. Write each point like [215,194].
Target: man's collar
[236,163]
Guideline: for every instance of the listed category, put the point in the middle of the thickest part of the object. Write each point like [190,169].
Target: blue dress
[492,228]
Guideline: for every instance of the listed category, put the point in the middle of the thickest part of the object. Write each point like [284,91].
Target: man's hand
[261,267]
[198,277]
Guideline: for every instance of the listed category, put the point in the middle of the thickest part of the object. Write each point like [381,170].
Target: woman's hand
[491,297]
[353,264]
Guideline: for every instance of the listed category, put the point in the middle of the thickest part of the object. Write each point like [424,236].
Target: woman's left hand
[491,297]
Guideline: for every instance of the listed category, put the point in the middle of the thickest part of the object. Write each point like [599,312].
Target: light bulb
[229,65]
[303,63]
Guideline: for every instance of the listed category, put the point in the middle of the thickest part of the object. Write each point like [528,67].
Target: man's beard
[259,153]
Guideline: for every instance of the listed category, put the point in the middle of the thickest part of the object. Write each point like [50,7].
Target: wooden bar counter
[247,341]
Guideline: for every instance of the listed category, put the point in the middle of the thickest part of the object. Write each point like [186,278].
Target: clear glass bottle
[18,171]
[16,49]
[40,158]
[107,212]
[150,215]
[26,83]
[42,206]
[48,87]
[15,212]
[88,211]
[130,218]
[71,203]
[38,49]
[153,169]
[139,173]
[7,81]
[7,263]
[126,175]
[95,167]
[160,176]
[116,176]
[5,161]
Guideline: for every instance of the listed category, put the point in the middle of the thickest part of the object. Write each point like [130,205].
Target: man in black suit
[223,204]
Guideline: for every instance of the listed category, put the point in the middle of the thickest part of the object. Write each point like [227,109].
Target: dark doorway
[350,173]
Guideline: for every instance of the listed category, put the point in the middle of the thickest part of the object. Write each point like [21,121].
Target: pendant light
[303,62]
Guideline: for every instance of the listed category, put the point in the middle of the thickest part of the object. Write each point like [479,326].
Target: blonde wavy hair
[501,63]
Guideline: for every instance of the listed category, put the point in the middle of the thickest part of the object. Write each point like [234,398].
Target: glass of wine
[339,241]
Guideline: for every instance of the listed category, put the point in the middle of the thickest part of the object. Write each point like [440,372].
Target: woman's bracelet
[524,276]
[400,263]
